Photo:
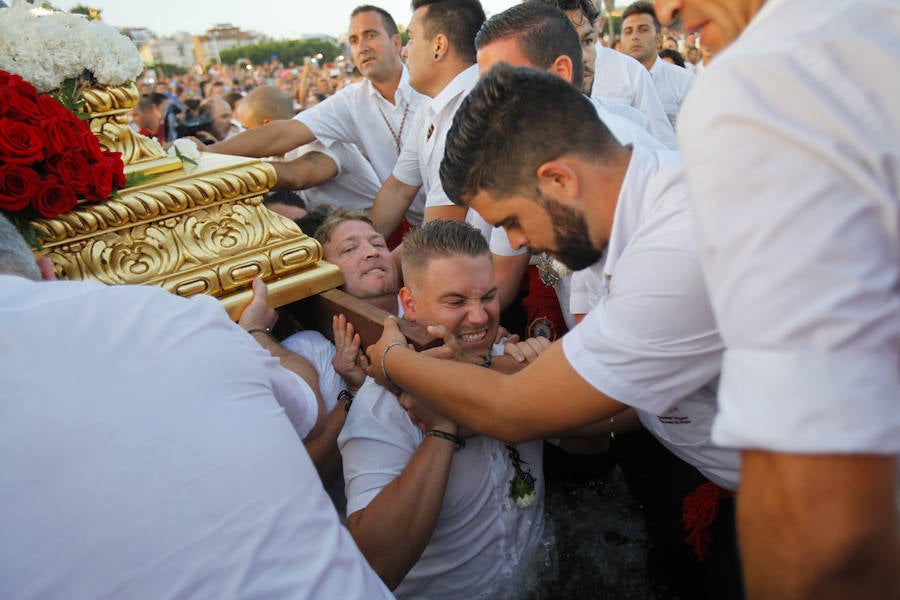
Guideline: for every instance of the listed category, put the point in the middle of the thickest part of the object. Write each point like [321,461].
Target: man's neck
[388,87]
[387,303]
[650,61]
[446,77]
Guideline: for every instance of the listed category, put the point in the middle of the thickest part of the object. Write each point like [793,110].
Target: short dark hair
[390,26]
[440,239]
[544,33]
[587,7]
[533,116]
[459,20]
[642,7]
[675,55]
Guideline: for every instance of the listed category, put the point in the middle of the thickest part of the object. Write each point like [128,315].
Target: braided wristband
[457,441]
[383,356]
[265,330]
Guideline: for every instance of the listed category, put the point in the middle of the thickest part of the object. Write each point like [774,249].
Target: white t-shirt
[145,455]
[483,545]
[621,79]
[801,226]
[652,341]
[672,84]
[359,114]
[355,185]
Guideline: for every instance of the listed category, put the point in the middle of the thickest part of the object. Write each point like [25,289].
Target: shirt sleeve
[652,340]
[314,347]
[801,253]
[332,119]
[377,443]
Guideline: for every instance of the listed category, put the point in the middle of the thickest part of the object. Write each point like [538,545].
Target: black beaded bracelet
[457,441]
[348,396]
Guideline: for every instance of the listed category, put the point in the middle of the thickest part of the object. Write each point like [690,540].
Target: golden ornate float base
[109,106]
[203,229]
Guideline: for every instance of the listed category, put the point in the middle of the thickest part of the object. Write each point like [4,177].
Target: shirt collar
[461,84]
[403,94]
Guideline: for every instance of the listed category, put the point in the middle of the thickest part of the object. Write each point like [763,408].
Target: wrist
[457,441]
[257,330]
[384,358]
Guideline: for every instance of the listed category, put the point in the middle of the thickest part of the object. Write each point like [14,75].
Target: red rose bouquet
[49,159]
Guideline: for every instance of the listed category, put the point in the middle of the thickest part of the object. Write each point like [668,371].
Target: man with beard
[650,343]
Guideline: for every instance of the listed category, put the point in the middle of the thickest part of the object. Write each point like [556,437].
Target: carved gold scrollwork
[205,232]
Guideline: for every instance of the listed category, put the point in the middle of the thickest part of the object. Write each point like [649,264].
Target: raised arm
[272,139]
[543,399]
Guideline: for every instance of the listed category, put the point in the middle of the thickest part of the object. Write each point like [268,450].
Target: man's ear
[557,179]
[441,45]
[408,302]
[398,42]
[562,66]
[46,267]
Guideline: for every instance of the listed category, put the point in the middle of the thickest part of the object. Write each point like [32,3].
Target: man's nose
[477,313]
[516,239]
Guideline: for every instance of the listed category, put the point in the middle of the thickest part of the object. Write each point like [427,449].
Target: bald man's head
[263,104]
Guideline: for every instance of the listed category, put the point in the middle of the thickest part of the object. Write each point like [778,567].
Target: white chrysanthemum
[48,49]
[526,500]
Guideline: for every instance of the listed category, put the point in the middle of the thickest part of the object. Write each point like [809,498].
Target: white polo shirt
[145,455]
[621,79]
[420,161]
[801,226]
[672,84]
[355,185]
[652,341]
[360,115]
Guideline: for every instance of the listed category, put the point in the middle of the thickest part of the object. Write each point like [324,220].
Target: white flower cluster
[527,500]
[46,49]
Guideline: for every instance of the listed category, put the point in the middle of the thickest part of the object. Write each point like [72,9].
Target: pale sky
[279,19]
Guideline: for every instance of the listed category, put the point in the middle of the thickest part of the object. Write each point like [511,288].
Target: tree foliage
[287,51]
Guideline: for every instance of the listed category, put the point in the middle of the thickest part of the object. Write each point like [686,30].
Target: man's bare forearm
[819,527]
[271,139]
[541,400]
[391,203]
[393,530]
[309,170]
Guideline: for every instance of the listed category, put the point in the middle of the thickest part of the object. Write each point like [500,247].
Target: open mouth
[470,338]
[375,271]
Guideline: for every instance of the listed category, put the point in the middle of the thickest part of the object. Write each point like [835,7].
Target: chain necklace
[397,135]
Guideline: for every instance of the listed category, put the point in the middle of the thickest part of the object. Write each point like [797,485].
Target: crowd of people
[629,249]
